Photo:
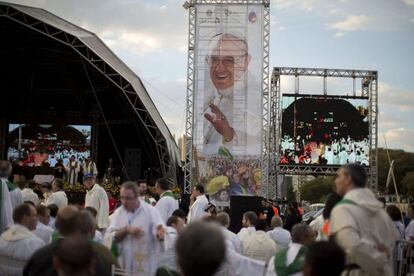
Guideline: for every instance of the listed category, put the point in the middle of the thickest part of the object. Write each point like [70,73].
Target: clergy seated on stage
[58,196]
[361,226]
[198,207]
[18,243]
[167,203]
[259,245]
[136,231]
[74,256]
[200,250]
[97,198]
[224,220]
[324,259]
[290,261]
[28,193]
[279,235]
[167,259]
[69,221]
[249,221]
[43,231]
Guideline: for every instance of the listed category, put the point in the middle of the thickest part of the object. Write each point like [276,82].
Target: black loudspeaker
[132,161]
[241,204]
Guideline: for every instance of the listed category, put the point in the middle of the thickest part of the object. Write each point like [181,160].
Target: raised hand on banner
[220,123]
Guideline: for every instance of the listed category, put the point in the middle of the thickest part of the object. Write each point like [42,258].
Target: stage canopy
[54,72]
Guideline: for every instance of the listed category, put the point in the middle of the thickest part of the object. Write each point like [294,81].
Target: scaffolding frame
[369,89]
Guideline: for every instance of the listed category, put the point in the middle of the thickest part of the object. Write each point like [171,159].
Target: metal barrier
[403,258]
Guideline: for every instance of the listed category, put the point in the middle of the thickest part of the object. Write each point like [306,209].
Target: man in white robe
[224,220]
[72,169]
[360,225]
[136,231]
[58,196]
[97,198]
[6,209]
[43,230]
[249,221]
[18,243]
[259,246]
[280,236]
[198,208]
[167,203]
[167,258]
[28,193]
[90,166]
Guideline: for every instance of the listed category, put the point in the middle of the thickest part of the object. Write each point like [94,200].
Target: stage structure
[314,134]
[227,123]
[55,74]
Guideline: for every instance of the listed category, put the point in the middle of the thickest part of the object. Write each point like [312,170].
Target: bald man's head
[66,220]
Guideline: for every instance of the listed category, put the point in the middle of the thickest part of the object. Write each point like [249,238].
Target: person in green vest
[290,261]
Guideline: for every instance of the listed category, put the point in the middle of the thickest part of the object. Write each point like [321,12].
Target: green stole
[11,186]
[168,193]
[296,266]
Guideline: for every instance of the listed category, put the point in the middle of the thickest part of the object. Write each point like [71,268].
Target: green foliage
[317,189]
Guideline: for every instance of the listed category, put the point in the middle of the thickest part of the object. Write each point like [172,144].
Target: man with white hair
[279,235]
[232,115]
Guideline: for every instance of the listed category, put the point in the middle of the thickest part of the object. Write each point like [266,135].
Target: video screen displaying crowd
[149,231]
[336,152]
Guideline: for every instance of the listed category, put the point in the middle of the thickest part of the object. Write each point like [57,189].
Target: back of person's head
[59,183]
[261,225]
[179,213]
[42,210]
[224,219]
[21,184]
[86,223]
[357,174]
[383,201]
[92,210]
[20,212]
[200,249]
[5,169]
[276,222]
[163,184]
[31,184]
[251,217]
[172,220]
[394,212]
[199,188]
[53,210]
[66,220]
[330,203]
[301,233]
[324,259]
[74,256]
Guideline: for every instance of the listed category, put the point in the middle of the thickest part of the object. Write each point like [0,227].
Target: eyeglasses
[227,61]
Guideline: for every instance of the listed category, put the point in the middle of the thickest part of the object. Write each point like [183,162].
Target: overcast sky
[151,37]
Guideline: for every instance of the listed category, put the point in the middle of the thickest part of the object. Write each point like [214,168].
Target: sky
[150,36]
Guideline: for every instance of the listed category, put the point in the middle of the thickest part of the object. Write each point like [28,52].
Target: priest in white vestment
[137,231]
[18,243]
[198,208]
[167,203]
[43,230]
[97,198]
[360,225]
[90,167]
[58,196]
[248,222]
[29,195]
[72,170]
[6,209]
[167,256]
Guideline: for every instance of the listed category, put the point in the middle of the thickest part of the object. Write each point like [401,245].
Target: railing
[404,258]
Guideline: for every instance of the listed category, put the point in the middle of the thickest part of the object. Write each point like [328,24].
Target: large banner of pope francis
[227,126]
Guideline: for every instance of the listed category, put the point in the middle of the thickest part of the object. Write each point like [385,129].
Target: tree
[408,183]
[317,189]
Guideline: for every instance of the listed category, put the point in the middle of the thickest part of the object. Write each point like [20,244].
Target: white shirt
[409,231]
[43,232]
[281,237]
[233,238]
[98,199]
[16,198]
[197,210]
[29,195]
[166,205]
[59,198]
[259,246]
[17,245]
[138,254]
[167,257]
[245,233]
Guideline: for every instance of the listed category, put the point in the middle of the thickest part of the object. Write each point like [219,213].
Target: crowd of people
[46,235]
[340,151]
